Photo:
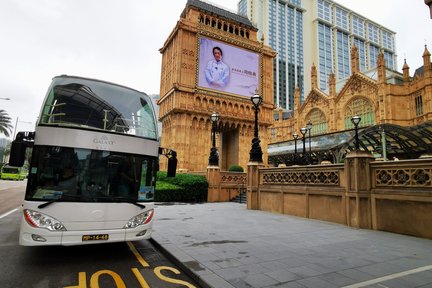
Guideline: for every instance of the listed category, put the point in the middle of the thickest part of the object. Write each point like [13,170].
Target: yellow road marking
[158,273]
[137,255]
[140,278]
[94,280]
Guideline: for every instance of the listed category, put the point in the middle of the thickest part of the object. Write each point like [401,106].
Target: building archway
[318,120]
[362,107]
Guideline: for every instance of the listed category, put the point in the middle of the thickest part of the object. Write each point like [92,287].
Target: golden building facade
[186,104]
[379,96]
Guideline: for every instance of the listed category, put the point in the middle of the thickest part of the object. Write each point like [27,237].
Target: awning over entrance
[383,141]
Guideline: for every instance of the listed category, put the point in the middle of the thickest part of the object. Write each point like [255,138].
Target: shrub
[182,188]
[235,168]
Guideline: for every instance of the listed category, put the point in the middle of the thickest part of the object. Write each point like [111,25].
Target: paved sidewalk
[225,245]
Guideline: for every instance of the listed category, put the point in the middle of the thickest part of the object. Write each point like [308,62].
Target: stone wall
[394,196]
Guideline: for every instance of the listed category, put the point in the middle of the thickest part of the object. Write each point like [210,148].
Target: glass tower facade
[338,29]
[282,28]
[330,29]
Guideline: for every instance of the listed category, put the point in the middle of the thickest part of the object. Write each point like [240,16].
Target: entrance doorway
[230,148]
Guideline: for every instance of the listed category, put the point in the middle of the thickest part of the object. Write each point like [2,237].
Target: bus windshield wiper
[62,196]
[122,199]
[130,200]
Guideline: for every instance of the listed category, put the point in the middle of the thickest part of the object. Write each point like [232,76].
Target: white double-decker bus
[93,167]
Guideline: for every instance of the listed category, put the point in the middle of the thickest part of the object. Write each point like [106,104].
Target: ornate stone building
[379,96]
[187,98]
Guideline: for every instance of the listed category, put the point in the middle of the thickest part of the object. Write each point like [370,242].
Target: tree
[5,123]
[5,152]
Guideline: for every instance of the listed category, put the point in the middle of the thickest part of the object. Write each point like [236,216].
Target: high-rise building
[316,32]
[280,24]
[332,29]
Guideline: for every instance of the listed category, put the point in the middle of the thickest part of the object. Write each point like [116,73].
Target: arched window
[319,122]
[361,107]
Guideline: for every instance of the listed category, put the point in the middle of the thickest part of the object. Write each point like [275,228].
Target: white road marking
[389,277]
[7,213]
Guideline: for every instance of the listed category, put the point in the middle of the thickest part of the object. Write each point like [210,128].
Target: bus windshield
[93,104]
[84,175]
[10,170]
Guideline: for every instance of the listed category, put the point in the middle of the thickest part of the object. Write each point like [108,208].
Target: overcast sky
[119,41]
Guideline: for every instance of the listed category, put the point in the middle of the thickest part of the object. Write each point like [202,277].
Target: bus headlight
[140,219]
[40,220]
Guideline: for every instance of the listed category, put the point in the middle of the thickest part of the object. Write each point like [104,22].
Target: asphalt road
[131,264]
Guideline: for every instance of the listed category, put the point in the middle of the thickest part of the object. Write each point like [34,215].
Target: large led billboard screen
[227,68]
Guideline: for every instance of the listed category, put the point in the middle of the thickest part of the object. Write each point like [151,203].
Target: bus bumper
[30,236]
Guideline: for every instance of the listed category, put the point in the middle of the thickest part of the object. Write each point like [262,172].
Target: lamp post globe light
[295,136]
[256,152]
[309,128]
[303,131]
[356,120]
[214,155]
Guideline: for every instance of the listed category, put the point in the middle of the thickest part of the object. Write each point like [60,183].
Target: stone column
[214,180]
[358,189]
[252,194]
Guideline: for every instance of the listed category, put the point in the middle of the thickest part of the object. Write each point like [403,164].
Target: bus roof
[97,80]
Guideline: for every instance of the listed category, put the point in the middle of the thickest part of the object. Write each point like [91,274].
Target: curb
[180,264]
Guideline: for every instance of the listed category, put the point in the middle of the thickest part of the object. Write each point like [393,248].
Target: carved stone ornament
[356,86]
[314,99]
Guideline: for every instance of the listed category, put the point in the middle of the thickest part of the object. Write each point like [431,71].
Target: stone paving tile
[337,279]
[421,278]
[398,283]
[261,249]
[356,275]
[305,271]
[316,282]
[239,283]
[230,273]
[253,269]
[381,269]
[260,280]
[215,281]
[274,265]
[289,285]
[282,275]
[248,259]
[227,263]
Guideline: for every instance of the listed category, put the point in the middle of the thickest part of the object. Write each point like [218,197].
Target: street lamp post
[303,131]
[356,120]
[309,128]
[256,152]
[295,135]
[16,125]
[214,155]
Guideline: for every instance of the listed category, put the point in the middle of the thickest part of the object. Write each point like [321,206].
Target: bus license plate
[95,237]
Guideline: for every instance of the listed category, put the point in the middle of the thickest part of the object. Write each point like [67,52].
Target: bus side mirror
[17,153]
[18,148]
[172,167]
